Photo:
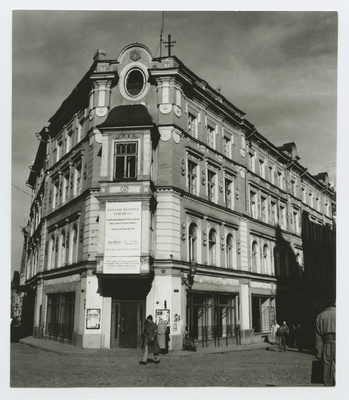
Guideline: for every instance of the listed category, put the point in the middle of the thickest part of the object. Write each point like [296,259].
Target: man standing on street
[325,343]
[282,333]
[150,341]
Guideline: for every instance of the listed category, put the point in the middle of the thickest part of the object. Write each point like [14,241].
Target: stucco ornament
[165,108]
[101,111]
[135,55]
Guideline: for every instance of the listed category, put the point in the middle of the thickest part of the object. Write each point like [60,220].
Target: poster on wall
[162,314]
[122,247]
[93,318]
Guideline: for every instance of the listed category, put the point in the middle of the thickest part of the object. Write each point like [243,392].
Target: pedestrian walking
[282,333]
[325,343]
[274,328]
[150,343]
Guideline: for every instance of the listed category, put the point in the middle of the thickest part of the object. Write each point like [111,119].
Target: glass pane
[119,167]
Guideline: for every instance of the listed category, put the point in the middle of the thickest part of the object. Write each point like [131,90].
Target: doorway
[127,321]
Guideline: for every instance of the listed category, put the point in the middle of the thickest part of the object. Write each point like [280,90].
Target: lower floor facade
[93,310]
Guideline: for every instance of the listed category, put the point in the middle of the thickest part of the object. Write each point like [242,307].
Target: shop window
[262,314]
[60,316]
[125,161]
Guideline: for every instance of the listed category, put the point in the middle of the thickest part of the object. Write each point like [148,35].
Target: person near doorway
[150,343]
[274,328]
[161,336]
[282,333]
[325,343]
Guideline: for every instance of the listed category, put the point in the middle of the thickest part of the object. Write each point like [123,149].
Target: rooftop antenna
[162,33]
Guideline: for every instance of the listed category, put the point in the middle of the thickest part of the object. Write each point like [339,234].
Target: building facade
[152,194]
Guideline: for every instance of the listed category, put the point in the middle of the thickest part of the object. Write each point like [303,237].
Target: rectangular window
[228,193]
[192,177]
[296,220]
[55,198]
[68,143]
[66,183]
[192,125]
[274,217]
[59,150]
[281,180]
[304,195]
[271,174]
[294,187]
[283,217]
[252,162]
[77,180]
[262,168]
[80,131]
[211,185]
[227,146]
[311,199]
[125,166]
[254,204]
[264,210]
[211,140]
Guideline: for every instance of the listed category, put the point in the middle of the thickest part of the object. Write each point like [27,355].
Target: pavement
[63,348]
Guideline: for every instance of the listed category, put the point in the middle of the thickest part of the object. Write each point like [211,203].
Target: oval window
[134,82]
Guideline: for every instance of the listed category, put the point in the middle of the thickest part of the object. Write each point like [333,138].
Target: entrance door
[126,323]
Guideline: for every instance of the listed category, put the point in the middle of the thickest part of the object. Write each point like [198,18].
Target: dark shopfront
[128,311]
[212,318]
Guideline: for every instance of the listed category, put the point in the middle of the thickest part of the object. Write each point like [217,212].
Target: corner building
[144,172]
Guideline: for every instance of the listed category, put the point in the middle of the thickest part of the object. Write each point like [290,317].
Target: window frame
[125,156]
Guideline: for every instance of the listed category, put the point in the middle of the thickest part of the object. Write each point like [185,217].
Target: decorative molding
[101,111]
[165,108]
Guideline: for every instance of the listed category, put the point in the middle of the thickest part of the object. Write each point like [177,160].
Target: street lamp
[189,280]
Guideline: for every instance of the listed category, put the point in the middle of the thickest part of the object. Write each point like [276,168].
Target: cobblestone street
[256,367]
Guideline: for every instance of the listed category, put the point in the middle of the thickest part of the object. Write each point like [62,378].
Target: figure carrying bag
[317,372]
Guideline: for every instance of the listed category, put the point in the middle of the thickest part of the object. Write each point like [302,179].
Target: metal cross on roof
[169,44]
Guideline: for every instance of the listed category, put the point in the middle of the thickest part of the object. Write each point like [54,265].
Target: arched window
[265,259]
[229,248]
[73,243]
[277,261]
[51,253]
[254,257]
[212,247]
[193,242]
[299,267]
[61,250]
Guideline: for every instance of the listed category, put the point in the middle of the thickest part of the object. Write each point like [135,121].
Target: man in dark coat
[282,333]
[150,344]
[325,343]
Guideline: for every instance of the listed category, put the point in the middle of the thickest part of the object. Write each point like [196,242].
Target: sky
[280,68]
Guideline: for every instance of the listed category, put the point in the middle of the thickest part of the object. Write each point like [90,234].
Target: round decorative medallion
[124,189]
